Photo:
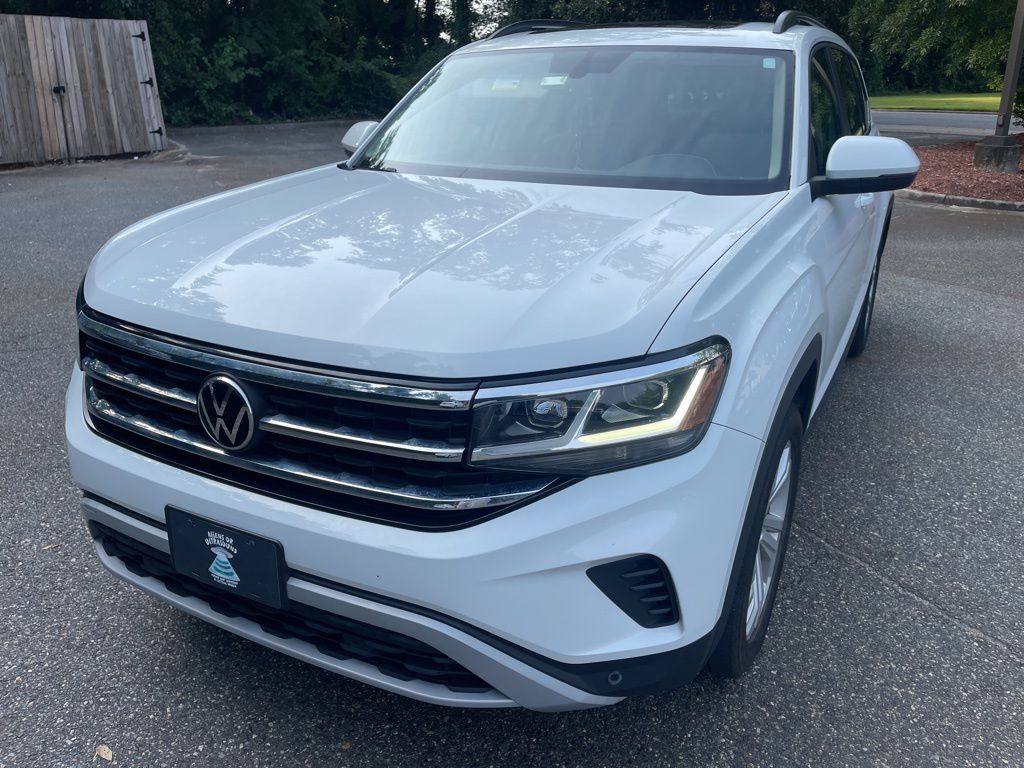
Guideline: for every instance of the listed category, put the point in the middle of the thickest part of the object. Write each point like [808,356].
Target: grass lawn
[960,102]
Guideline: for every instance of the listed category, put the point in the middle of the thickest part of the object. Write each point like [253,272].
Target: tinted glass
[713,120]
[850,91]
[826,127]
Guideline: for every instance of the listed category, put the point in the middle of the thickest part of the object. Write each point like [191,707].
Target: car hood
[420,276]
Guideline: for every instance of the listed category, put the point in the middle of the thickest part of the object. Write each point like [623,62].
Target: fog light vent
[641,586]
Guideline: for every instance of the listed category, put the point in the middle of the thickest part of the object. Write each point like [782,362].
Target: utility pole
[1001,152]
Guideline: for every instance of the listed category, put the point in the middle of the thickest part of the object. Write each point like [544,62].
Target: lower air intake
[398,656]
[642,587]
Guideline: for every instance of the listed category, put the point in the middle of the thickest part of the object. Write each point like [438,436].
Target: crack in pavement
[1010,650]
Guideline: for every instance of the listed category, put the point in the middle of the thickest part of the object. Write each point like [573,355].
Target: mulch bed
[948,170]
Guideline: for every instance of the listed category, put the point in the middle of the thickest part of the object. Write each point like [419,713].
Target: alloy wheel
[769,547]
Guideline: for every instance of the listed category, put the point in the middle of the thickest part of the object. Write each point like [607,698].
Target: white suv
[507,409]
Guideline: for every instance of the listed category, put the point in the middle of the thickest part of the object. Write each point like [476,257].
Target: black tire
[739,644]
[859,342]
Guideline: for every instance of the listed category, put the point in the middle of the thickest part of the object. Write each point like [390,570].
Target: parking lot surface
[919,127]
[898,639]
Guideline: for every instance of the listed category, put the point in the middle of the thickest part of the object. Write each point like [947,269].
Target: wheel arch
[803,384]
[800,390]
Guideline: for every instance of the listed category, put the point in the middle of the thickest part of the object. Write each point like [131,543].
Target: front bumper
[508,599]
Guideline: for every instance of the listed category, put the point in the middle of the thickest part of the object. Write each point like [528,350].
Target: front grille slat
[95,329]
[354,448]
[425,450]
[422,497]
[175,396]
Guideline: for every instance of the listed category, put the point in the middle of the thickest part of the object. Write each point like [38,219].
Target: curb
[966,202]
[937,111]
[176,151]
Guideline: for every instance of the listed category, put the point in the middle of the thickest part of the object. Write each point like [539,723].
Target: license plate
[226,558]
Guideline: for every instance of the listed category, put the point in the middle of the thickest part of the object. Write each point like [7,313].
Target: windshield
[711,120]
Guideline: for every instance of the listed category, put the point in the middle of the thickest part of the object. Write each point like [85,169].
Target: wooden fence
[73,88]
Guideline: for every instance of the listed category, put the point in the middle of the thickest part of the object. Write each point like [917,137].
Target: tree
[462,21]
[231,60]
[431,22]
[932,44]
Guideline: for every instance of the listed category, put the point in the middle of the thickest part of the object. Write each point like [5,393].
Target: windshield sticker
[505,85]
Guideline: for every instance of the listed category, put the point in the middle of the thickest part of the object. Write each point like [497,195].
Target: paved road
[899,637]
[919,127]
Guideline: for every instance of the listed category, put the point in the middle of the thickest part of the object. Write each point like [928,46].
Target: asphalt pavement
[920,127]
[898,639]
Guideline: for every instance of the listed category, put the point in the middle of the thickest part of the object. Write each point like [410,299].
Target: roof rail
[789,19]
[535,25]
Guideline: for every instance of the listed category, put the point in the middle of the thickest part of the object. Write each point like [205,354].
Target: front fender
[767,297]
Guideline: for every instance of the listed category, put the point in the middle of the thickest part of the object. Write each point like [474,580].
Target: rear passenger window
[826,125]
[851,92]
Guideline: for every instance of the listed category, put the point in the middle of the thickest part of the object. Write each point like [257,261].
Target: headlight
[597,423]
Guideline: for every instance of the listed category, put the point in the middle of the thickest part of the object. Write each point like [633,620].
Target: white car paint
[380,272]
[429,278]
[884,155]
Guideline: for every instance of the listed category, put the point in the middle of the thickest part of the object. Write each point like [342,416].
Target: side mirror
[357,134]
[858,164]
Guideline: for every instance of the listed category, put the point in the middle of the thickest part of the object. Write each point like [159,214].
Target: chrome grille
[370,449]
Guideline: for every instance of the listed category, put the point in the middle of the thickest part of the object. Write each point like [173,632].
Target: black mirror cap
[822,185]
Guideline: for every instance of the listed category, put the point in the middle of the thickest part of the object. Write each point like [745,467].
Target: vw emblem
[226,413]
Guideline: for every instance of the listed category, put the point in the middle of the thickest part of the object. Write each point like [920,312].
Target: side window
[851,91]
[826,125]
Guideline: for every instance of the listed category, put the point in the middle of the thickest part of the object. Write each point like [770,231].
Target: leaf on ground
[103,751]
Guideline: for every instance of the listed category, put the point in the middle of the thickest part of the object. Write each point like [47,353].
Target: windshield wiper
[382,168]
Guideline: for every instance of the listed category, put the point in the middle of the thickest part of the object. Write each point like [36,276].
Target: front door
[841,224]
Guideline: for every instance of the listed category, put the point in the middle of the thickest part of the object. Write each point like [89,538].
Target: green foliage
[945,45]
[243,60]
[225,61]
